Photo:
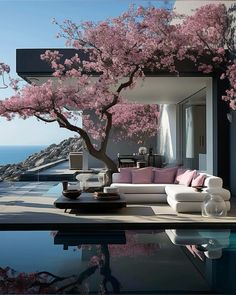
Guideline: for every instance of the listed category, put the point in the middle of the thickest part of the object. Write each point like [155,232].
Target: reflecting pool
[127,262]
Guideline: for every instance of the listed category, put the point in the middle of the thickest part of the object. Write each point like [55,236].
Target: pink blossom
[119,50]
[222,76]
[95,260]
[233,104]
[4,68]
[14,84]
[221,50]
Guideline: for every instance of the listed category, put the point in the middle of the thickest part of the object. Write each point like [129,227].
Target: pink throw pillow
[198,179]
[126,175]
[184,176]
[164,175]
[143,175]
[180,171]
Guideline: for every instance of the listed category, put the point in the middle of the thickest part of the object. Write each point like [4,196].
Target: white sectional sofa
[181,198]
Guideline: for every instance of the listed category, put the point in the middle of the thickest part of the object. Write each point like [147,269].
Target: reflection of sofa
[210,242]
[180,197]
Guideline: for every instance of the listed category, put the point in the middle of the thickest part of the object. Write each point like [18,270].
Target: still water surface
[128,262]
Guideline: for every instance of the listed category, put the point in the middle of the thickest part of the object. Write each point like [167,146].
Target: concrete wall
[126,147]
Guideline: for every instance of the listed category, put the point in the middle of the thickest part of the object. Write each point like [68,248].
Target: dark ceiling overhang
[29,64]
[159,86]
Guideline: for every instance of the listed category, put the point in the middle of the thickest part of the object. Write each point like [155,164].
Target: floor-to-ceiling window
[193,129]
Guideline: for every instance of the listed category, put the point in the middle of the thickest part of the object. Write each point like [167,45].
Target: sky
[28,24]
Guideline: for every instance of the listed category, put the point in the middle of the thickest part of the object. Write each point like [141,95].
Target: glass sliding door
[193,129]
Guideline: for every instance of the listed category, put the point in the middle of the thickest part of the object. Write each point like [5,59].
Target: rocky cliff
[51,154]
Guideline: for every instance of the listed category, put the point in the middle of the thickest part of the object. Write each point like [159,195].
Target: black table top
[87,201]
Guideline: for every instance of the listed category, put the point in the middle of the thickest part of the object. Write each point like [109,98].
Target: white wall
[187,7]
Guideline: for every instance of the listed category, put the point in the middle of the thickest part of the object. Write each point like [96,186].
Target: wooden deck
[28,206]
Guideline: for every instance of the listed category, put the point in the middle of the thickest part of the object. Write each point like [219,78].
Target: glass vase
[214,206]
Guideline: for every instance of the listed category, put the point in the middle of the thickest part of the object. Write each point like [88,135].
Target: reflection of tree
[133,247]
[106,271]
[47,282]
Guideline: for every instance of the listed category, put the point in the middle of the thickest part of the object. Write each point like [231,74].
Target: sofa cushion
[184,176]
[224,193]
[189,194]
[145,198]
[140,188]
[185,193]
[198,179]
[143,175]
[116,177]
[179,172]
[184,207]
[213,181]
[125,175]
[164,175]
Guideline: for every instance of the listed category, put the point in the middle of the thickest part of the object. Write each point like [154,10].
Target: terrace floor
[29,205]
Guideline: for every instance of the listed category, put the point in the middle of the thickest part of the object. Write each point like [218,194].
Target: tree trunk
[110,165]
[98,154]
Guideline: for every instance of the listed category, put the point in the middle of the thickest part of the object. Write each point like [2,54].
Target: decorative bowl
[72,194]
[199,188]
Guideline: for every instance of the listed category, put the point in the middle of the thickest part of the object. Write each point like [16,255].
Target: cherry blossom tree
[210,32]
[4,68]
[112,56]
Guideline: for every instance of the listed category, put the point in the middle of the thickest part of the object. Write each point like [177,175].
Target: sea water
[17,153]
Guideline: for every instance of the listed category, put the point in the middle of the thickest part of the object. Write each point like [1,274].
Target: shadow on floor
[134,210]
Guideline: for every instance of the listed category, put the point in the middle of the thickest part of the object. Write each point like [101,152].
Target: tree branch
[122,86]
[64,123]
[44,119]
[204,42]
[107,131]
[130,81]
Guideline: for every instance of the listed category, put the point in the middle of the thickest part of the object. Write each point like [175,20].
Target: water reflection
[137,262]
[99,261]
[201,242]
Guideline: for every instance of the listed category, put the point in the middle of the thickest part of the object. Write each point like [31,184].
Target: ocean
[17,153]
